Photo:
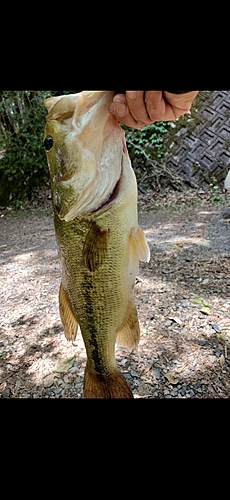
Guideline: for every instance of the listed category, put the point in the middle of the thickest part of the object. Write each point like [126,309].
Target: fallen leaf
[172,377]
[205,310]
[222,360]
[64,366]
[197,300]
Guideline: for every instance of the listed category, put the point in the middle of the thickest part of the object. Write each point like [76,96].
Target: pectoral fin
[142,245]
[95,247]
[128,334]
[68,319]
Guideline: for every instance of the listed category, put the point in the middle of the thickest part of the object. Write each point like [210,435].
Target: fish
[100,243]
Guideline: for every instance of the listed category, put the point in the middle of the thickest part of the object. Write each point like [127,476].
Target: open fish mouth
[111,199]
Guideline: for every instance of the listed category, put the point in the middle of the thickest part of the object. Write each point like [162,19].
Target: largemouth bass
[94,196]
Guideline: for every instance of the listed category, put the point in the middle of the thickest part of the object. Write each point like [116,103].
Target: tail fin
[115,386]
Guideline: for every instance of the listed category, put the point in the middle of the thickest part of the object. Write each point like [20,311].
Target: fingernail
[120,108]
[132,94]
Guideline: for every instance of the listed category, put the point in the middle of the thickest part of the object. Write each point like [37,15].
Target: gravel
[189,267]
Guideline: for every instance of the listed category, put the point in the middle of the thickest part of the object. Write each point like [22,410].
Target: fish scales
[99,245]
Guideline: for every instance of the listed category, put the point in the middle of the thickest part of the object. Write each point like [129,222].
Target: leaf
[205,310]
[64,366]
[222,360]
[197,300]
[172,377]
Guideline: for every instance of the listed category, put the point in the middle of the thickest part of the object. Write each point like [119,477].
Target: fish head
[84,145]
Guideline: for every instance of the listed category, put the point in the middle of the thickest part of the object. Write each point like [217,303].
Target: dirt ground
[182,297]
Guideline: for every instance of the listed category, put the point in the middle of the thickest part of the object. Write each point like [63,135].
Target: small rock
[123,361]
[127,375]
[64,366]
[168,323]
[175,319]
[156,373]
[184,304]
[48,381]
[215,327]
[134,374]
[6,393]
[58,390]
[212,359]
[74,369]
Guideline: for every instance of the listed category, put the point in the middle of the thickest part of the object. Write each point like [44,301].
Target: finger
[119,105]
[136,104]
[181,103]
[120,109]
[168,106]
[158,108]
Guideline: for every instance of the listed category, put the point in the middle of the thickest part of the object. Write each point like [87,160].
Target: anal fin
[128,334]
[68,319]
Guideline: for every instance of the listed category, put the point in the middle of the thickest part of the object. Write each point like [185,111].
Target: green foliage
[148,140]
[23,164]
[213,188]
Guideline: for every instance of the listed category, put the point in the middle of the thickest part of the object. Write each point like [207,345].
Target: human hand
[139,108]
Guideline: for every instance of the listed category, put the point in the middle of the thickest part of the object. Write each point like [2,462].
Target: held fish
[94,196]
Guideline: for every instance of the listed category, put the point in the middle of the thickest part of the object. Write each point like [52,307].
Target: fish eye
[48,143]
